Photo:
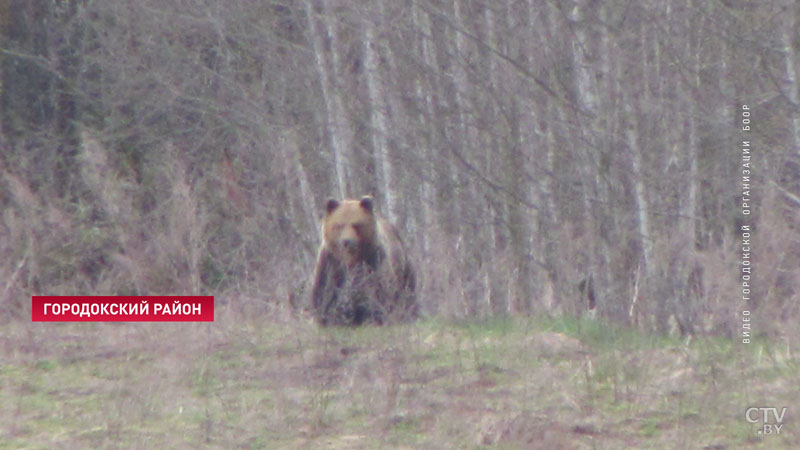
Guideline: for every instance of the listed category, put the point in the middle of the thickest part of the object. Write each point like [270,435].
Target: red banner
[122,308]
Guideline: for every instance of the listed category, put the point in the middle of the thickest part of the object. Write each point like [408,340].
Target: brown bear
[363,273]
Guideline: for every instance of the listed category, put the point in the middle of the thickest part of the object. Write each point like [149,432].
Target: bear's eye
[357,227]
[338,227]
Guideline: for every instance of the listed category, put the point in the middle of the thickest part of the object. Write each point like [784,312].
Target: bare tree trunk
[636,124]
[425,108]
[581,48]
[590,138]
[689,212]
[440,173]
[791,85]
[497,294]
[325,42]
[514,167]
[378,91]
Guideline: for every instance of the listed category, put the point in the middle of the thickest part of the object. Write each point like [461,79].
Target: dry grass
[262,379]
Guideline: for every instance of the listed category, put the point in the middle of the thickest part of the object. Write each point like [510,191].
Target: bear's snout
[349,244]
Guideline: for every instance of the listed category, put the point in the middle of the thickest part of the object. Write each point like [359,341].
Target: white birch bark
[632,139]
[580,48]
[423,98]
[339,130]
[378,92]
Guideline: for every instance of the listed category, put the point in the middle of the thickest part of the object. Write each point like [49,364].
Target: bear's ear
[366,203]
[331,205]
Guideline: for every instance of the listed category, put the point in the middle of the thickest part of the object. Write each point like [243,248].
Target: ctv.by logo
[762,414]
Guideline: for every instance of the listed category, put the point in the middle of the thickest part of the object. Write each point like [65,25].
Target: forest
[540,157]
[600,199]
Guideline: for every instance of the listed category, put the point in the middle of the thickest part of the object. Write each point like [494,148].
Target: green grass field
[251,381]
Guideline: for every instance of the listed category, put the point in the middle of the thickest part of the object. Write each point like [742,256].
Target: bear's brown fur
[363,273]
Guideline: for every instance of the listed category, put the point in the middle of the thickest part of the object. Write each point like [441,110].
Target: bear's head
[349,230]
